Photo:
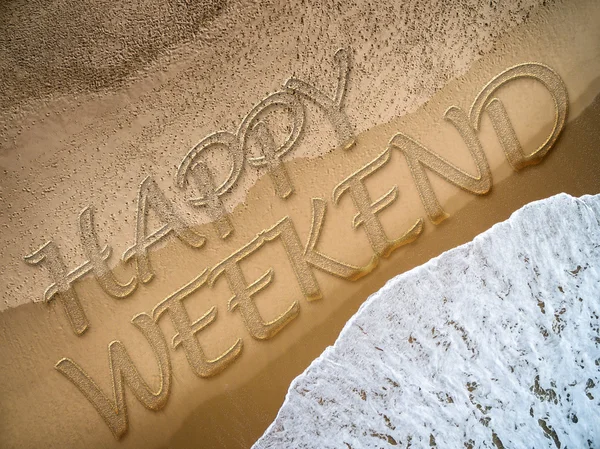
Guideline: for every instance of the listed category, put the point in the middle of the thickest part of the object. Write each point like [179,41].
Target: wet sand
[574,168]
[236,417]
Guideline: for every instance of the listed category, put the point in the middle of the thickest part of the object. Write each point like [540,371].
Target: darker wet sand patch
[572,167]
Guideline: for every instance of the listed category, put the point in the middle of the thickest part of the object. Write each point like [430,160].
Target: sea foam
[495,343]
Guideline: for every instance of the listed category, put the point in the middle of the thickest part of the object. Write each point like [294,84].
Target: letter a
[150,196]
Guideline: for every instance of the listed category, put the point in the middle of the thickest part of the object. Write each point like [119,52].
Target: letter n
[418,158]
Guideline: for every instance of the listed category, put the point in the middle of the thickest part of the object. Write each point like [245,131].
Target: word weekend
[301,251]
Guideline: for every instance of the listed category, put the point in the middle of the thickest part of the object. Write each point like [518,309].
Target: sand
[67,146]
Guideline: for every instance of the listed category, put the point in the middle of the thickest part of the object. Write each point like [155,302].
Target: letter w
[123,372]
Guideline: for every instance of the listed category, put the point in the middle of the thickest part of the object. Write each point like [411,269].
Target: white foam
[489,342]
